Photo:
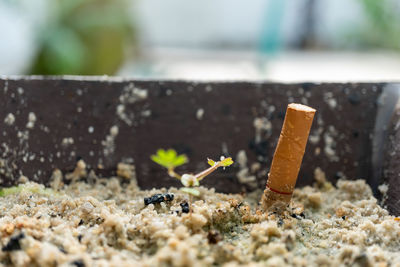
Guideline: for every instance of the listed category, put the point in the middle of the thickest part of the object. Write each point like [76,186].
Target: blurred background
[279,40]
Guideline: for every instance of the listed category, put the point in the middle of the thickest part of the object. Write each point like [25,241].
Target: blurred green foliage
[382,24]
[85,37]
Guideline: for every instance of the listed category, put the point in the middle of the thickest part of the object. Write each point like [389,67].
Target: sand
[104,222]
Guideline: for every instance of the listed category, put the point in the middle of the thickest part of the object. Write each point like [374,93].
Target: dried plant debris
[106,223]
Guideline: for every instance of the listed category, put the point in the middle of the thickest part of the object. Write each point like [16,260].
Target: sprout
[169,159]
[189,180]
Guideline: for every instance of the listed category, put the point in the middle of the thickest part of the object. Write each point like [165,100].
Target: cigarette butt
[288,156]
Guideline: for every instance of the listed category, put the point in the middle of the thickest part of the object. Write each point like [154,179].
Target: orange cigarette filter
[288,156]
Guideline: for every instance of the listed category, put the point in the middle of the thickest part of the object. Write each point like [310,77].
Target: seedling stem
[170,160]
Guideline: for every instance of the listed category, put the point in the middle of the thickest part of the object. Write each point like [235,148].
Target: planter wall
[56,121]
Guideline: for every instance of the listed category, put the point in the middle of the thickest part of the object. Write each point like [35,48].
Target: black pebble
[80,238]
[185,207]
[158,198]
[80,222]
[343,217]
[13,244]
[78,263]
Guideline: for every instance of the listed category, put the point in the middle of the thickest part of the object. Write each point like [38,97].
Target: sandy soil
[104,222]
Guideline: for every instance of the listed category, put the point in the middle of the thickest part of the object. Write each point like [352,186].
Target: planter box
[48,123]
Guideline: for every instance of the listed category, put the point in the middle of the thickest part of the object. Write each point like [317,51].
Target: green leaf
[171,154]
[157,159]
[227,162]
[191,191]
[162,153]
[169,158]
[210,162]
[180,160]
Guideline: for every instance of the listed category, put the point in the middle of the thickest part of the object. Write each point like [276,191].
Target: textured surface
[106,223]
[54,122]
[392,167]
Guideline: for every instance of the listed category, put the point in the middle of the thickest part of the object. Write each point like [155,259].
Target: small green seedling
[170,160]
